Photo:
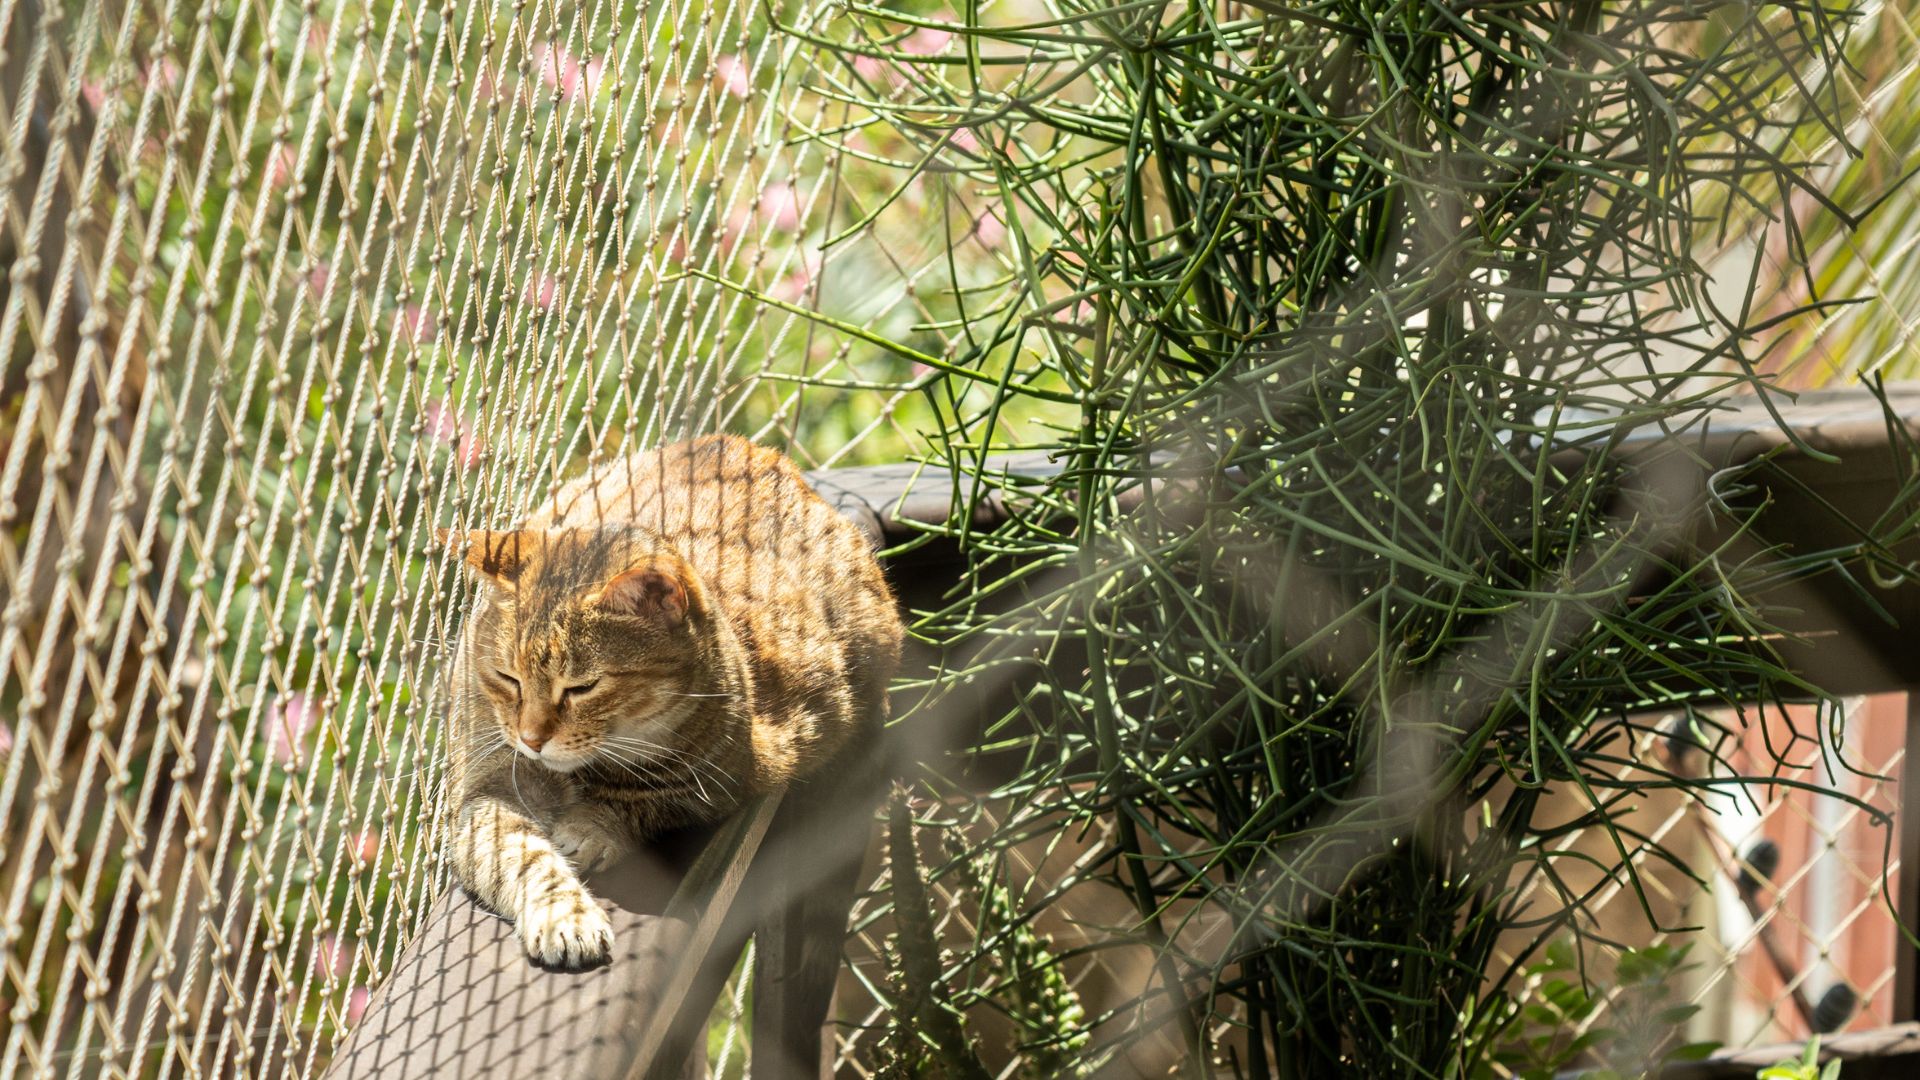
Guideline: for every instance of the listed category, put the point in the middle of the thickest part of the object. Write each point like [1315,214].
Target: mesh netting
[293,284]
[1776,893]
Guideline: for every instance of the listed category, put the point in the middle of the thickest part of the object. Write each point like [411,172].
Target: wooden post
[815,875]
[1906,958]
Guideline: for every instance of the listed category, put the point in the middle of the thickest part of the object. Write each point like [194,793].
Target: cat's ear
[498,556]
[649,592]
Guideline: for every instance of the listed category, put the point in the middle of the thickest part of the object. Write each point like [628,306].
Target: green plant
[1806,1067]
[1337,313]
[1560,1027]
[925,1036]
[1031,984]
[1861,261]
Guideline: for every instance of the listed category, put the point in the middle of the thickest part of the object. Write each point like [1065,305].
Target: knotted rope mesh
[293,284]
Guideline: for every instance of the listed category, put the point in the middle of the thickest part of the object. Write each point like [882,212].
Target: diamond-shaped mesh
[1821,905]
[1087,928]
[1824,904]
[1780,893]
[293,284]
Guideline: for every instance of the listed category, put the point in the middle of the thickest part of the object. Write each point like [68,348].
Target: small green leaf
[1697,1051]
[1675,1015]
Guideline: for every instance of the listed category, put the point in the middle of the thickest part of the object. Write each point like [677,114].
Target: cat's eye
[576,691]
[506,678]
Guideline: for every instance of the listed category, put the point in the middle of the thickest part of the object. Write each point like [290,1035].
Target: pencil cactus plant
[1329,316]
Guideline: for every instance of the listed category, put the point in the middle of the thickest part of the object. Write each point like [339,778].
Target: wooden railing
[1888,1053]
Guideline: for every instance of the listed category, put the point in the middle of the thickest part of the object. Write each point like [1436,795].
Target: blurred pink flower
[444,424]
[562,70]
[357,1001]
[415,323]
[795,285]
[288,724]
[593,76]
[168,72]
[738,220]
[734,75]
[965,139]
[872,68]
[280,168]
[542,291]
[366,846]
[6,737]
[927,41]
[472,445]
[94,94]
[332,959]
[317,278]
[989,231]
[553,62]
[780,204]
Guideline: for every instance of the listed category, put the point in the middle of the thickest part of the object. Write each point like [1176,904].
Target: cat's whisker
[674,757]
[670,755]
[513,776]
[644,744]
[699,788]
[628,769]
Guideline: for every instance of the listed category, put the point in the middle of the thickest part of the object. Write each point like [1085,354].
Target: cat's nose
[533,741]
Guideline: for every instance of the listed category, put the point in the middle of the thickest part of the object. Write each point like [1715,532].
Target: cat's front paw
[587,846]
[566,929]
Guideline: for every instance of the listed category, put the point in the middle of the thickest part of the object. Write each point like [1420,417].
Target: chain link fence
[1781,896]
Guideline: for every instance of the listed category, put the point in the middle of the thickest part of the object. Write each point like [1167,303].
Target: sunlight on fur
[666,638]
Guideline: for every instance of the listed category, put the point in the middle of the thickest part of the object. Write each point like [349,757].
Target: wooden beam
[1888,1053]
[463,1000]
[813,874]
[1906,958]
[662,1040]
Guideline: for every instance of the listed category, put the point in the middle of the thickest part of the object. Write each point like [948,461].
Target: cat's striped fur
[665,638]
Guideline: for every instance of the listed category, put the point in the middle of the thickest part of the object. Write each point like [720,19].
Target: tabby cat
[667,637]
